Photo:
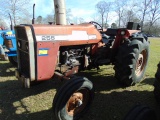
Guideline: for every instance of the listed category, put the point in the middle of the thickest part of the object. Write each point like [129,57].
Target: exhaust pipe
[60,12]
[33,14]
[11,26]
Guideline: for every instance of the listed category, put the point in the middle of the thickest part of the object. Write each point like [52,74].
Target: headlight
[8,44]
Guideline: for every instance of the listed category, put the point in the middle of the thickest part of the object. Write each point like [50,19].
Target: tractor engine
[70,57]
[81,56]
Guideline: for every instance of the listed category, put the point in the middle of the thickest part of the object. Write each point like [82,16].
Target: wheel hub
[77,102]
[140,65]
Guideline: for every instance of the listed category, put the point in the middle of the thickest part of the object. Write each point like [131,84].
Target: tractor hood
[66,34]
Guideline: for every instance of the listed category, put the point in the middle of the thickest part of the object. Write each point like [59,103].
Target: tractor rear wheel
[141,112]
[131,61]
[73,99]
[157,84]
[13,60]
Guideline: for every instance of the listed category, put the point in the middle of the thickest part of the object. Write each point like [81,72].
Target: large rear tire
[131,61]
[141,112]
[73,99]
[157,84]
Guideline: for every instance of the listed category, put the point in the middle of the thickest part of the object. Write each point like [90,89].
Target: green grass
[111,102]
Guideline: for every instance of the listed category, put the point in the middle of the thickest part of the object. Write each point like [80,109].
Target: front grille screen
[22,45]
[21,33]
[24,63]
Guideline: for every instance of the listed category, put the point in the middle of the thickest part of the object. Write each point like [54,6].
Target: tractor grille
[22,47]
[21,33]
[24,63]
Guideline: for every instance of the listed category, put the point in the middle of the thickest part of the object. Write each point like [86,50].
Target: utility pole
[60,12]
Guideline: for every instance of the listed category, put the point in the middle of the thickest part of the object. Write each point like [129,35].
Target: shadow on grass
[148,81]
[7,69]
[105,81]
[115,105]
[111,101]
[112,105]
[13,96]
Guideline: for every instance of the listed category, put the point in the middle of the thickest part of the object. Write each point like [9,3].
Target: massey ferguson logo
[48,38]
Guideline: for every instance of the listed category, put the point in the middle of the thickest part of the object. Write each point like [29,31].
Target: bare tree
[39,20]
[81,20]
[75,20]
[16,8]
[102,8]
[119,9]
[95,18]
[68,15]
[129,16]
[154,13]
[50,18]
[143,8]
[130,13]
[3,24]
[109,4]
[24,20]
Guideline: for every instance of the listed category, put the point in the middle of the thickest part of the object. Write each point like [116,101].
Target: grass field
[112,102]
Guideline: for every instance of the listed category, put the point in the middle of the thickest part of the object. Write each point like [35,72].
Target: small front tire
[73,99]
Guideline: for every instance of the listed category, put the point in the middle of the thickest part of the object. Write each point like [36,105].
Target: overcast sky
[80,8]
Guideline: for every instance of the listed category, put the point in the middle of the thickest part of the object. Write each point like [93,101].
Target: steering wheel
[97,25]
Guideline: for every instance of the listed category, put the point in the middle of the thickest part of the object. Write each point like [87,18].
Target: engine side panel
[47,54]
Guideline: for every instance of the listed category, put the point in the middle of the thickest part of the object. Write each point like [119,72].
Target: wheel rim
[77,102]
[141,62]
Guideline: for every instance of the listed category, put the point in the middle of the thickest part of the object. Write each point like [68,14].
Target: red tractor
[63,50]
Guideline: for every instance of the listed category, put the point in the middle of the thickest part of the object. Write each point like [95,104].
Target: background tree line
[146,12]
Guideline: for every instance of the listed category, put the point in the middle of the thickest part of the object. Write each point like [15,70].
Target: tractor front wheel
[131,61]
[73,99]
